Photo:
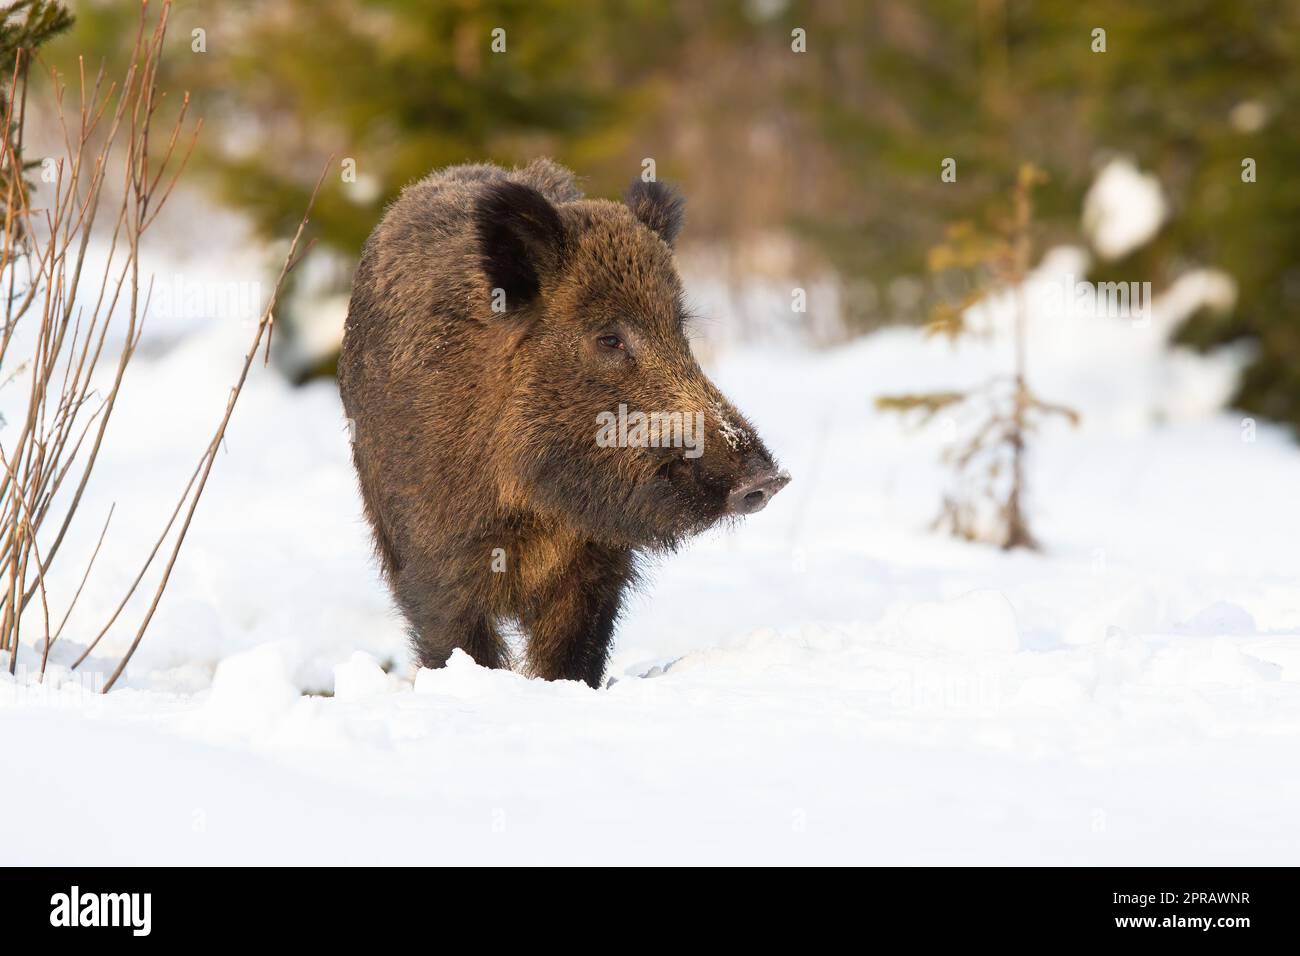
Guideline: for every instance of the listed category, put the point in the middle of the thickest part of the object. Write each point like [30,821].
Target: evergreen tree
[24,26]
[1189,90]
[991,463]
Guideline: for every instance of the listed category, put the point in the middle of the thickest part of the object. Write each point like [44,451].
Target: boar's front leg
[570,621]
[446,611]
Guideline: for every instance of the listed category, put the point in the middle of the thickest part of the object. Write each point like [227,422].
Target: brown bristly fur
[474,430]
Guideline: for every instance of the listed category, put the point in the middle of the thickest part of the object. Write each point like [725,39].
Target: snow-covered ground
[829,682]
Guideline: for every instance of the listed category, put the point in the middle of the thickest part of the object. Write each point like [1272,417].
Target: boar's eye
[611,342]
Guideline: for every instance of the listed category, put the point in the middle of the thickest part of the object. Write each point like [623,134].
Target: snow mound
[977,623]
[360,677]
[250,690]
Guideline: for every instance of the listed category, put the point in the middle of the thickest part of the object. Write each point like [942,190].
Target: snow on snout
[735,436]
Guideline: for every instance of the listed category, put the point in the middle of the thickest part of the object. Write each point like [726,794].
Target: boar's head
[610,425]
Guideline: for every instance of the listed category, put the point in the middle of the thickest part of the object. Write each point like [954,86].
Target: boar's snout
[752,493]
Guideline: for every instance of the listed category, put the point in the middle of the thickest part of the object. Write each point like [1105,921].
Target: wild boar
[502,334]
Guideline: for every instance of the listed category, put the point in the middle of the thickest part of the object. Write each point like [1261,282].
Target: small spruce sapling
[988,499]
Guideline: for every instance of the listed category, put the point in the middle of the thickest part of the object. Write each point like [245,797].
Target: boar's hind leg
[570,624]
[443,617]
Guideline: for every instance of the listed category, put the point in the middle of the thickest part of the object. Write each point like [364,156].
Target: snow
[828,682]
[360,677]
[977,623]
[1123,209]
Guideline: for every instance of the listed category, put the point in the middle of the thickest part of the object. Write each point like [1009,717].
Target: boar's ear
[658,206]
[520,239]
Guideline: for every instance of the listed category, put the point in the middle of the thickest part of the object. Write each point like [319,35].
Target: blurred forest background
[808,135]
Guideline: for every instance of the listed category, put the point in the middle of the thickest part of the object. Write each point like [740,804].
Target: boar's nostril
[753,494]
